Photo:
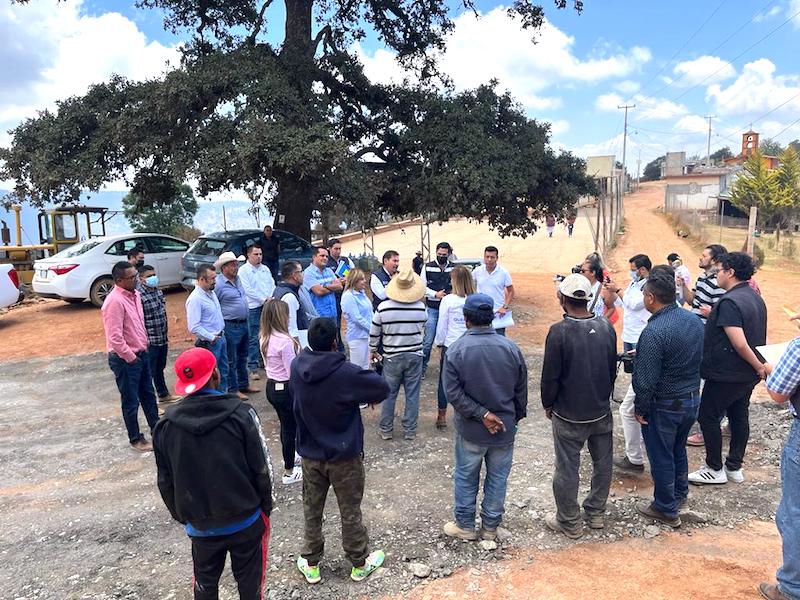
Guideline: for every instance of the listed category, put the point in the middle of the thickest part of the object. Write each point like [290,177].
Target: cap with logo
[193,368]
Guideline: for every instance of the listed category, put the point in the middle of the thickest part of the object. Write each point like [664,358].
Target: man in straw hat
[233,301]
[215,477]
[399,325]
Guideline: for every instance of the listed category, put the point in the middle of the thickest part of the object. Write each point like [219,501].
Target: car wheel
[73,300]
[100,289]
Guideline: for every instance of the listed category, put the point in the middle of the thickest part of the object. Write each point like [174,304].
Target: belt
[236,320]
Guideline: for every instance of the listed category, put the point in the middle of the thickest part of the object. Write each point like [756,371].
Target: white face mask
[635,276]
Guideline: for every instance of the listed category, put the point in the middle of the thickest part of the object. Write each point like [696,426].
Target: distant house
[697,190]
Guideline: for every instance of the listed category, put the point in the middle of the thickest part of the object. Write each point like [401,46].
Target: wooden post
[751,229]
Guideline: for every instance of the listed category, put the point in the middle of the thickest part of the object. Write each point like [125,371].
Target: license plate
[43,274]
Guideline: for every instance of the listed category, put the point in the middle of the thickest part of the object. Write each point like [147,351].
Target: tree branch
[378,151]
[251,39]
[321,35]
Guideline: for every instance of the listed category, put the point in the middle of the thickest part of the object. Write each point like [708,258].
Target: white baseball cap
[575,286]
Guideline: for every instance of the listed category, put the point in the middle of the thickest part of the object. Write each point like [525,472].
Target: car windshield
[207,247]
[77,249]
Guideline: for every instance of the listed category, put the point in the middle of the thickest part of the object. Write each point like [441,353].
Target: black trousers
[248,549]
[158,362]
[283,403]
[718,398]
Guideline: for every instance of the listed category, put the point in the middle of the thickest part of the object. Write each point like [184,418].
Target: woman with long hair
[357,310]
[451,326]
[278,349]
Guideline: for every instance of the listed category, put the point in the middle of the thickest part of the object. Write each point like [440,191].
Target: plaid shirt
[155,315]
[785,378]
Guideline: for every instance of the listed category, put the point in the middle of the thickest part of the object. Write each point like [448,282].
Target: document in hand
[343,269]
[772,352]
[503,322]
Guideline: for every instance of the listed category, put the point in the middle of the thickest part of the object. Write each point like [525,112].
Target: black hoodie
[212,459]
[327,391]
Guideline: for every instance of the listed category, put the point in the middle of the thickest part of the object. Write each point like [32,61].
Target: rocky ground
[81,516]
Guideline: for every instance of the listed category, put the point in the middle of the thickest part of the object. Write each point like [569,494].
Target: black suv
[207,249]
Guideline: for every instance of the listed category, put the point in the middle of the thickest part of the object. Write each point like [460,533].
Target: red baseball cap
[193,368]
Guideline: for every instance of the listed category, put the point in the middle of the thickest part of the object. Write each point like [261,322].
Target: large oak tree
[299,126]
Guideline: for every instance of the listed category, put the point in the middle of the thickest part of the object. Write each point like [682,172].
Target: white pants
[634,443]
[359,352]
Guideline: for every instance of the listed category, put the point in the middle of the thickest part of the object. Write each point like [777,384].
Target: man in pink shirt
[126,341]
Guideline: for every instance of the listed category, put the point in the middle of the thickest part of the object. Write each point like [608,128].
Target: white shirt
[294,306]
[682,272]
[492,284]
[636,315]
[377,287]
[600,306]
[257,282]
[451,324]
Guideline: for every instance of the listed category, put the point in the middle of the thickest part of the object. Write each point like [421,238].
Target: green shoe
[311,573]
[374,560]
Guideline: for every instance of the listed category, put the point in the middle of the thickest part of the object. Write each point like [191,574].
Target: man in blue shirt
[666,381]
[322,283]
[233,303]
[205,322]
[783,385]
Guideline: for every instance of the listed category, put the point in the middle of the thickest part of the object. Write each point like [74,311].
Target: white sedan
[9,286]
[83,271]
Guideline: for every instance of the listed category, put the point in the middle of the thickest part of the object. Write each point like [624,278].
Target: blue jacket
[327,391]
[357,310]
[484,371]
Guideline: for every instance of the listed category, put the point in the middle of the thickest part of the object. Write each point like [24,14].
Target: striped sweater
[399,326]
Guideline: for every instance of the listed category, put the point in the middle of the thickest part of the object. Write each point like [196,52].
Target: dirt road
[81,516]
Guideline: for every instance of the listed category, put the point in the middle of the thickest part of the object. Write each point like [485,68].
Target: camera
[677,263]
[627,361]
[559,278]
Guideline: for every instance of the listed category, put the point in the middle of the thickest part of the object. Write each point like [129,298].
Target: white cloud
[559,126]
[495,46]
[52,50]
[627,86]
[692,124]
[761,17]
[647,108]
[693,72]
[756,91]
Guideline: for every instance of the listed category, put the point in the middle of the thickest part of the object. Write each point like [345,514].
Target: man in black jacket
[330,438]
[731,368]
[215,476]
[580,359]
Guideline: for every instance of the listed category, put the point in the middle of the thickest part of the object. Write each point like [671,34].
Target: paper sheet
[302,336]
[772,352]
[503,322]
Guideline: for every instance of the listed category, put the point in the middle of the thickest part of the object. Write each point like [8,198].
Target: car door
[166,256]
[119,250]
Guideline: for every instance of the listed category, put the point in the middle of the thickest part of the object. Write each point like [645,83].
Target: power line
[785,129]
[738,56]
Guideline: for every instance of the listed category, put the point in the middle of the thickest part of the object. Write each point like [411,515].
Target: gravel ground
[81,515]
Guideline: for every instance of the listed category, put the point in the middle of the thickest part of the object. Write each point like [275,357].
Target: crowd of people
[214,470]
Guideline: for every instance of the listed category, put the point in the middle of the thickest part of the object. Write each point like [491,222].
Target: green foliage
[755,186]
[720,155]
[652,170]
[173,213]
[787,179]
[770,147]
[299,127]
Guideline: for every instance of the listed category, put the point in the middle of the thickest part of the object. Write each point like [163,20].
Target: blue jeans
[135,388]
[158,362]
[254,359]
[469,459]
[668,425]
[430,335]
[237,340]
[405,369]
[788,515]
[441,396]
[220,351]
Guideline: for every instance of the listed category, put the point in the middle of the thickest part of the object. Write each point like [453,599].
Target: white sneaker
[706,474]
[736,476]
[297,460]
[297,475]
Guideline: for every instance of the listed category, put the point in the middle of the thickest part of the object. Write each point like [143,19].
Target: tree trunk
[295,201]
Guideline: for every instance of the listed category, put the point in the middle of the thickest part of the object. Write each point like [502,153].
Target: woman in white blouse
[451,326]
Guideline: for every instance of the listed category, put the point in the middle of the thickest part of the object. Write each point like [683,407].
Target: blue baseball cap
[479,303]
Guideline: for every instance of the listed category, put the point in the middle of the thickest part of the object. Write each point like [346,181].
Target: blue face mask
[634,276]
[151,281]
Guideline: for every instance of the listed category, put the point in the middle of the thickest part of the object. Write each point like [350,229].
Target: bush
[789,249]
[758,255]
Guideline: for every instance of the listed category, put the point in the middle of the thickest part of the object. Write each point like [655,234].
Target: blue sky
[676,60]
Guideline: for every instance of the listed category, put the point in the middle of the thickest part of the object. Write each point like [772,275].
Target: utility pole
[625,141]
[638,169]
[708,154]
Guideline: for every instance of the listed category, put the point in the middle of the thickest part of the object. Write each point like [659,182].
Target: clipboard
[507,320]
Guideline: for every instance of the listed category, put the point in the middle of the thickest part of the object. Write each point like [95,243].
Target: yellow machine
[59,228]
